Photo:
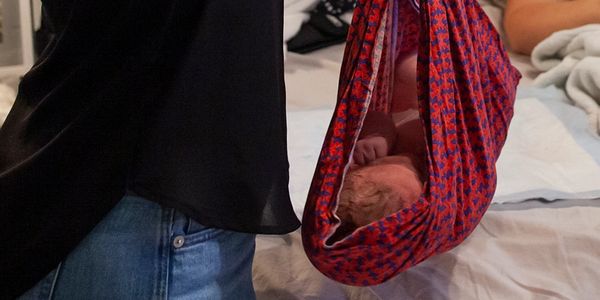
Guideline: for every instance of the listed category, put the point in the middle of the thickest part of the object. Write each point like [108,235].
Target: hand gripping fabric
[466,90]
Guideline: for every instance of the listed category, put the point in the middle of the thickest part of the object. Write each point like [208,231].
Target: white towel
[583,87]
[570,59]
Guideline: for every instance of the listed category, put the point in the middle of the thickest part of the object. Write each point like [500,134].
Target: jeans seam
[168,252]
[188,225]
[168,248]
[54,281]
[165,249]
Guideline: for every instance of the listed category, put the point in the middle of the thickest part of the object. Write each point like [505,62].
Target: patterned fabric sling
[466,90]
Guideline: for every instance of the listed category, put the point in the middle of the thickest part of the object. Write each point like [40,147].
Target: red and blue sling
[466,91]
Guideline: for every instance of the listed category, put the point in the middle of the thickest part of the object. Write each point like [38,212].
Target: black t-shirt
[180,101]
[215,145]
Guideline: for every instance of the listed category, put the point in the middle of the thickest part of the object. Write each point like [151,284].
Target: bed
[539,240]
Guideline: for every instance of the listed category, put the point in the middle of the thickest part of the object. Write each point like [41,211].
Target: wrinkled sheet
[549,152]
[530,254]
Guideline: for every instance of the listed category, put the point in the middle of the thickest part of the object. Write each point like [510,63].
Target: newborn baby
[386,173]
[387,170]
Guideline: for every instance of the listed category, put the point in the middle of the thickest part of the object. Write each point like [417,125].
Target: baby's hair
[375,191]
[373,198]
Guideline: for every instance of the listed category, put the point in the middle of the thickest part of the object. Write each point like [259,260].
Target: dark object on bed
[336,7]
[322,30]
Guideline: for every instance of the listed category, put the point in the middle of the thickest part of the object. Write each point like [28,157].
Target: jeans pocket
[197,233]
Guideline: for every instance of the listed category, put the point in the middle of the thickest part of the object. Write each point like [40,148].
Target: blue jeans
[142,250]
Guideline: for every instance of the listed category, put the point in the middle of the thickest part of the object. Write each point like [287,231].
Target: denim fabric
[142,250]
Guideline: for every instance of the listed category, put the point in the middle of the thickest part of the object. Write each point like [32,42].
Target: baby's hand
[369,149]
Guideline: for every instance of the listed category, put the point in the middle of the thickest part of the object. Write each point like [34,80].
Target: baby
[387,171]
[386,174]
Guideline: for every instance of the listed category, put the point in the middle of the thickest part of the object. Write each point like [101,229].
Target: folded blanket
[570,59]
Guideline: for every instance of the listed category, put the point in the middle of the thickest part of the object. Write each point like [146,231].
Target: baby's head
[381,188]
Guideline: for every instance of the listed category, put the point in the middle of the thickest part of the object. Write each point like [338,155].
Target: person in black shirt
[145,149]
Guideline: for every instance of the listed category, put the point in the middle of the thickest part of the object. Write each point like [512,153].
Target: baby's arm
[410,138]
[528,22]
[377,137]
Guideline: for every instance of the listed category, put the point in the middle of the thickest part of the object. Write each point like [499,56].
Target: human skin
[405,84]
[528,22]
[387,170]
[387,174]
[381,134]
[377,138]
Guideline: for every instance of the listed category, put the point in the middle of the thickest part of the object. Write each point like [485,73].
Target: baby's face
[384,187]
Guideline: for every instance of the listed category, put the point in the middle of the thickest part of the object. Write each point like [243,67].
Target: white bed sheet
[533,254]
[550,152]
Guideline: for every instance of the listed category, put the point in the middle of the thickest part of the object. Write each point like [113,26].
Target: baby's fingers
[369,153]
[380,149]
[359,157]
